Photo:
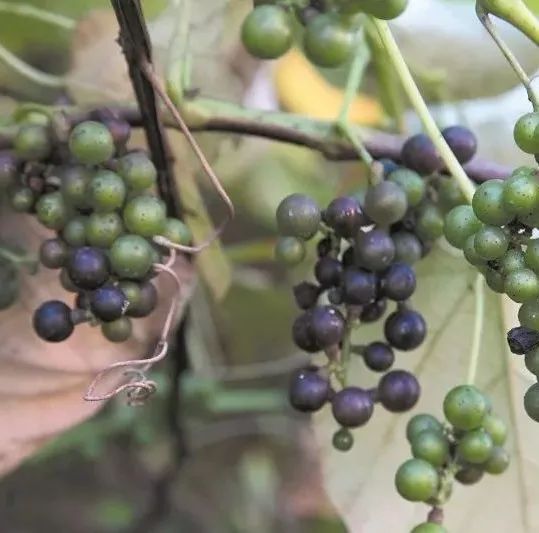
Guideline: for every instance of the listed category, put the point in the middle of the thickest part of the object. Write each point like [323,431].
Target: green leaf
[361,482]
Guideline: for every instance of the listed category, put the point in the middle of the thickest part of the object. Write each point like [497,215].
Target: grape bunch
[329,29]
[463,450]
[96,196]
[365,261]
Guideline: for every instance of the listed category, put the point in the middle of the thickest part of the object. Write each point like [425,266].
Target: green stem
[421,108]
[29,11]
[15,258]
[478,329]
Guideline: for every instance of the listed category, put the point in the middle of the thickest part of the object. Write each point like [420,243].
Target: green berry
[429,222]
[328,42]
[137,171]
[132,292]
[522,285]
[177,232]
[145,215]
[411,183]
[475,446]
[142,301]
[470,253]
[74,181]
[343,440]
[131,256]
[432,446]
[495,280]
[266,32]
[496,428]
[118,330]
[385,10]
[22,199]
[531,360]
[32,142]
[528,315]
[465,407]
[420,423]
[289,251]
[298,216]
[469,474]
[521,194]
[531,256]
[531,402]
[460,223]
[74,232]
[429,527]
[526,133]
[91,143]
[408,248]
[102,229]
[491,242]
[106,191]
[498,461]
[385,203]
[488,204]
[417,481]
[51,210]
[449,193]
[513,259]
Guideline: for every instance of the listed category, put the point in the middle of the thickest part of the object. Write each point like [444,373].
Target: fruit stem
[418,103]
[346,348]
[29,11]
[17,259]
[484,18]
[478,328]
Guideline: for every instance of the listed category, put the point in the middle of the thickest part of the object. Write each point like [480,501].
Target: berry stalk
[478,328]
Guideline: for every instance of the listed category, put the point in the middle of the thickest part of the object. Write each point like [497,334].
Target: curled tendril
[138,386]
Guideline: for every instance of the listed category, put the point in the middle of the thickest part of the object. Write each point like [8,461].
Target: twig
[43,15]
[478,329]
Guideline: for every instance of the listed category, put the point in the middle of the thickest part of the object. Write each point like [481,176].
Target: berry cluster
[96,195]
[470,445]
[365,260]
[329,31]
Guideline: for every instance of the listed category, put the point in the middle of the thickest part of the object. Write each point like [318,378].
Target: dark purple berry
[88,267]
[374,249]
[328,271]
[469,474]
[462,141]
[120,131]
[306,294]
[521,340]
[399,282]
[327,325]
[52,321]
[308,390]
[405,329]
[344,215]
[420,154]
[108,303]
[398,391]
[302,333]
[373,311]
[146,302]
[378,356]
[359,286]
[324,246]
[352,407]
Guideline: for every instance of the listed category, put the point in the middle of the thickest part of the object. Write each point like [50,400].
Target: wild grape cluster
[330,28]
[96,196]
[496,236]
[365,261]
[463,450]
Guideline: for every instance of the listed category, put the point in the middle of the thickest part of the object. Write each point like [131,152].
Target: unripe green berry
[102,229]
[118,330]
[526,133]
[131,256]
[298,216]
[91,143]
[417,481]
[460,223]
[51,210]
[32,142]
[488,203]
[491,242]
[106,191]
[289,251]
[465,407]
[145,215]
[137,170]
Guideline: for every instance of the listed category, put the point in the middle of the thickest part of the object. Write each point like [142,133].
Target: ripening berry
[352,407]
[298,216]
[308,390]
[52,321]
[398,391]
[91,143]
[417,481]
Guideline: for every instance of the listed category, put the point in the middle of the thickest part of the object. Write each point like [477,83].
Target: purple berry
[398,391]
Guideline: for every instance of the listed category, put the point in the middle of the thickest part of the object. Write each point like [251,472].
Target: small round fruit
[496,428]
[465,407]
[22,199]
[385,203]
[531,360]
[142,299]
[118,330]
[306,294]
[429,222]
[344,215]
[289,251]
[398,391]
[91,143]
[298,216]
[491,242]
[108,303]
[373,311]
[399,282]
[526,133]
[327,325]
[74,232]
[495,280]
[408,247]
[417,481]
[102,229]
[378,356]
[460,223]
[352,407]
[308,391]
[422,422]
[531,256]
[88,267]
[120,130]
[74,181]
[52,321]
[431,446]
[528,315]
[522,285]
[420,154]
[106,191]
[328,42]
[53,253]
[411,183]
[469,474]
[531,402]
[521,194]
[302,333]
[177,232]
[449,193]
[145,216]
[475,446]
[462,141]
[374,250]
[358,286]
[513,259]
[343,440]
[52,211]
[32,142]
[405,329]
[131,256]
[429,527]
[137,171]
[328,272]
[470,253]
[488,204]
[385,10]
[498,462]
[266,32]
